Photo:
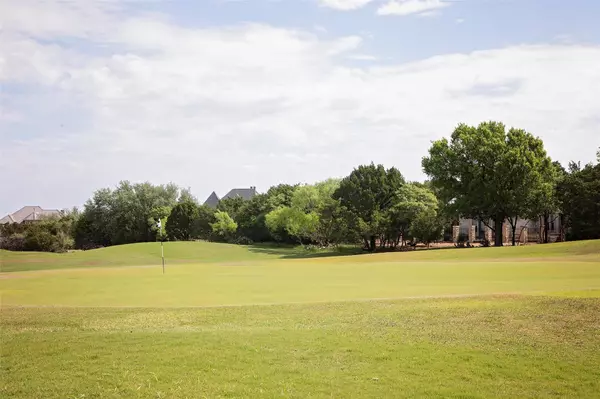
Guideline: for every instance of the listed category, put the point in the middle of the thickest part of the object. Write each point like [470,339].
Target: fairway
[232,321]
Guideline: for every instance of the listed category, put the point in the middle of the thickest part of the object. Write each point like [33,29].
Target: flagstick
[162,251]
[162,254]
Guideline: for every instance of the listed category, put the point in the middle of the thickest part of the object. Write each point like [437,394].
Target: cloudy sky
[215,94]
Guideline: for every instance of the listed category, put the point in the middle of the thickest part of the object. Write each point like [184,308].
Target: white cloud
[407,7]
[257,105]
[344,5]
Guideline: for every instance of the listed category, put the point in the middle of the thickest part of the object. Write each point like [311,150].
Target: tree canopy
[487,172]
[579,201]
[367,194]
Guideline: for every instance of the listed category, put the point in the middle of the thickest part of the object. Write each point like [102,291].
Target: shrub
[41,241]
[14,242]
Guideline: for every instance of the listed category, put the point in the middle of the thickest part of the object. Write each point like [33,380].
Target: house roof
[212,200]
[244,193]
[29,213]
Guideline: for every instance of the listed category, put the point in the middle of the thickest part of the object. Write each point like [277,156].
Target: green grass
[463,348]
[136,255]
[203,252]
[301,324]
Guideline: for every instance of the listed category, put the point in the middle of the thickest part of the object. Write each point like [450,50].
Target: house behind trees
[245,193]
[30,214]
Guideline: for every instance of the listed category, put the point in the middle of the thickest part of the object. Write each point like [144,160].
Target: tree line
[483,172]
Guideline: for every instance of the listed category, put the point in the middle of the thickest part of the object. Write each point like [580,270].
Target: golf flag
[159,224]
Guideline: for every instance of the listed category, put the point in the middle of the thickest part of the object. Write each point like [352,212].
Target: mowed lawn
[230,321]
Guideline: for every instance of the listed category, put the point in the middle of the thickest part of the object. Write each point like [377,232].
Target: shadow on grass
[295,252]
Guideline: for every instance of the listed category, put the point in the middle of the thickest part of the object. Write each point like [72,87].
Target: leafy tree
[231,206]
[367,194]
[201,226]
[224,227]
[579,198]
[251,219]
[311,216]
[181,220]
[411,200]
[294,221]
[51,234]
[427,227]
[123,215]
[551,207]
[280,195]
[185,195]
[485,172]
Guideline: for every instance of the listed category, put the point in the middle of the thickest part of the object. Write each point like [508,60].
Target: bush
[48,235]
[14,242]
[41,241]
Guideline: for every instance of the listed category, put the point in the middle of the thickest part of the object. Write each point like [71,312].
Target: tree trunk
[545,238]
[514,233]
[373,245]
[498,230]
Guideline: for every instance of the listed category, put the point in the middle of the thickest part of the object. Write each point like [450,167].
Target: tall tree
[224,227]
[412,199]
[201,226]
[427,226]
[579,197]
[312,215]
[485,173]
[251,219]
[180,223]
[231,206]
[123,215]
[367,194]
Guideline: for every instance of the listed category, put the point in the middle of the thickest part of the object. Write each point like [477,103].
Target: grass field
[231,321]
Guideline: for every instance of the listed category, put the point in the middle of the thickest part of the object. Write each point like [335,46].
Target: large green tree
[312,215]
[251,219]
[202,224]
[412,199]
[123,215]
[224,227]
[180,223]
[231,206]
[579,198]
[489,173]
[367,195]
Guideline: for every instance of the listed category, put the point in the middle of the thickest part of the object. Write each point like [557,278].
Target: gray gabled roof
[244,193]
[29,213]
[212,200]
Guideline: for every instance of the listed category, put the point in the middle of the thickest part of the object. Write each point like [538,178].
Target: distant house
[534,228]
[29,214]
[243,193]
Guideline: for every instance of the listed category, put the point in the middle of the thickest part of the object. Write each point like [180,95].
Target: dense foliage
[483,172]
[488,173]
[579,198]
[53,234]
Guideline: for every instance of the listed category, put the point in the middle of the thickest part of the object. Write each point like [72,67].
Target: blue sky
[217,94]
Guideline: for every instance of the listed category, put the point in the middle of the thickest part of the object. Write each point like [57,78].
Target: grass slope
[256,280]
[204,252]
[131,255]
